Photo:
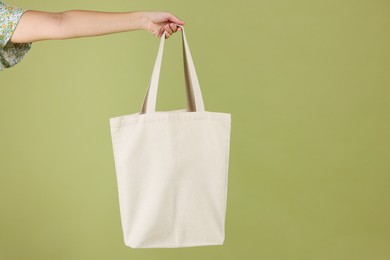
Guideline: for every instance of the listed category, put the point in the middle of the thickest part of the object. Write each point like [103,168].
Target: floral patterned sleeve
[10,53]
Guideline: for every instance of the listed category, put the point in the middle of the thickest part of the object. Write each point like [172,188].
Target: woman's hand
[158,22]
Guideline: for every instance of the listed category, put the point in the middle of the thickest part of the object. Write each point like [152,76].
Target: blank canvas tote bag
[172,168]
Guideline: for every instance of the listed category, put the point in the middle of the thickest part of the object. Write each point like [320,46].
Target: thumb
[175,19]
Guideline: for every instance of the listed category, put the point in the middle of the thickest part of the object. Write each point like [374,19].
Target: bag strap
[194,94]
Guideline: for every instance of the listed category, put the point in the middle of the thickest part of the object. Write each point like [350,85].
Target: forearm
[81,23]
[37,25]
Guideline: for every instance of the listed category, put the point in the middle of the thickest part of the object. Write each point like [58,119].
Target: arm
[37,26]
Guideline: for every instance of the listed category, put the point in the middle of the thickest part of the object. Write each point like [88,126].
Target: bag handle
[194,94]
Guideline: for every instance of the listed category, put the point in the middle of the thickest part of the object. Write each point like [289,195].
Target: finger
[173,27]
[175,19]
[161,31]
[168,29]
[167,35]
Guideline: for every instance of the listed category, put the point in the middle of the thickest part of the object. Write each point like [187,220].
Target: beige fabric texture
[172,168]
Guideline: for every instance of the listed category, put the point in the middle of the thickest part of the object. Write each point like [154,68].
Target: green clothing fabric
[10,53]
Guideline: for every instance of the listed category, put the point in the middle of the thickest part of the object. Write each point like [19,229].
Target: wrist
[138,20]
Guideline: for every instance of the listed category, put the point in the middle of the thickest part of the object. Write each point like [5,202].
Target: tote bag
[172,168]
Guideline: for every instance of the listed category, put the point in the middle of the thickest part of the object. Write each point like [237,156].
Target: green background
[307,84]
